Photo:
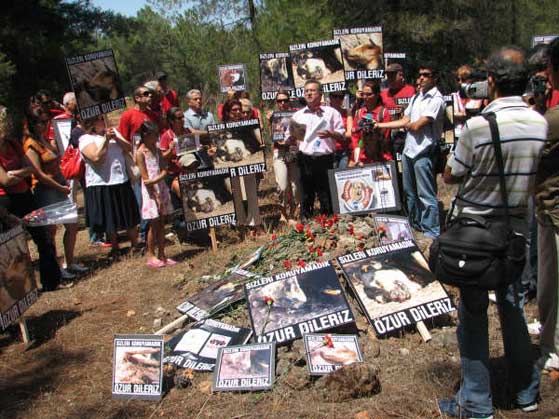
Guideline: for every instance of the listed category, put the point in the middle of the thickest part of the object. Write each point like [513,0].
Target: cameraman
[522,132]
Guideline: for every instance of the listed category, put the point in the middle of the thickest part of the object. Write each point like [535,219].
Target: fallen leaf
[130,313]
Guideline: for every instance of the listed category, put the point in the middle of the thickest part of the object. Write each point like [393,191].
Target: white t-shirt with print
[111,170]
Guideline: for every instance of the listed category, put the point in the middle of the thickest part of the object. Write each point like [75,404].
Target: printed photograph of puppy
[232,77]
[343,351]
[324,64]
[279,124]
[137,365]
[295,300]
[356,195]
[96,82]
[246,364]
[395,229]
[238,147]
[206,197]
[275,73]
[16,274]
[393,282]
[362,51]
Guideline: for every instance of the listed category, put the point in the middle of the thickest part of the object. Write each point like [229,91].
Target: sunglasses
[235,110]
[282,100]
[367,94]
[146,93]
[425,74]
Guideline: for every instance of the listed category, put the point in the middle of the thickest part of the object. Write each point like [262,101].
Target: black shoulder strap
[491,118]
[381,114]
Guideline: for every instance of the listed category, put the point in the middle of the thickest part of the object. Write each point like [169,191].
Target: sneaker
[450,408]
[552,362]
[66,275]
[527,408]
[99,243]
[77,268]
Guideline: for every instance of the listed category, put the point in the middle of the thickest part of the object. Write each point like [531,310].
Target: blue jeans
[473,341]
[342,159]
[420,194]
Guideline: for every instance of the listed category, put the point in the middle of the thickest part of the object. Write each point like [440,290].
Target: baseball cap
[394,67]
[188,160]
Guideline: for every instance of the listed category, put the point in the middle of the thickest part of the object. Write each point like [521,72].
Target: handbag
[480,252]
[72,165]
[132,168]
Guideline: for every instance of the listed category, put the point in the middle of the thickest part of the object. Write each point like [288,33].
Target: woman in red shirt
[369,144]
[16,197]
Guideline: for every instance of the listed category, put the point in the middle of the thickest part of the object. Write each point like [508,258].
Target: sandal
[155,263]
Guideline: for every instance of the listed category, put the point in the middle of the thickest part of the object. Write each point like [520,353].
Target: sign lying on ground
[327,353]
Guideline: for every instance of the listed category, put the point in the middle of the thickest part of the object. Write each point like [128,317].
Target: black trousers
[21,204]
[314,181]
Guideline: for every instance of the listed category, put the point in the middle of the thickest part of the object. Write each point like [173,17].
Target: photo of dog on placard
[362,51]
[232,77]
[323,63]
[275,73]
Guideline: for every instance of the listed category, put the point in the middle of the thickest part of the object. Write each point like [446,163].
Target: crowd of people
[131,180]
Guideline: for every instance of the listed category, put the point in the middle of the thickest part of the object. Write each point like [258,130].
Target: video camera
[367,123]
[477,89]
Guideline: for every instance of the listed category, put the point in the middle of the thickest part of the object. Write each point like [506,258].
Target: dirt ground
[66,371]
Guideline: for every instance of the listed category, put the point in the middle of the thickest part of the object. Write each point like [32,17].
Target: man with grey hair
[195,118]
[522,133]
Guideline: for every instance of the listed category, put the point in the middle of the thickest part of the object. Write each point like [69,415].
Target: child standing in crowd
[156,200]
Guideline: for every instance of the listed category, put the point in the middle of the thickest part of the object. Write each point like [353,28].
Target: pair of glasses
[425,74]
[366,94]
[236,110]
[282,100]
[146,93]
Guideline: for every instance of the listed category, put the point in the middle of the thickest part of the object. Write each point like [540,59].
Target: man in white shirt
[324,127]
[423,119]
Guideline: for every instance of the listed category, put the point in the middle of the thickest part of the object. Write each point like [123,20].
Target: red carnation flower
[327,341]
[274,237]
[268,300]
[300,228]
[287,264]
[301,262]
[319,251]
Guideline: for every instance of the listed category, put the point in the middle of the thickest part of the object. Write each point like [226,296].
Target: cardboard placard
[247,367]
[327,353]
[18,290]
[96,83]
[239,147]
[217,296]
[279,123]
[289,304]
[395,58]
[197,347]
[137,367]
[322,61]
[188,143]
[232,76]
[392,228]
[62,130]
[360,190]
[542,39]
[362,51]
[275,73]
[394,286]
[206,199]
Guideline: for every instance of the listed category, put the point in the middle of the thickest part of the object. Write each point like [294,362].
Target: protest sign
[327,353]
[279,123]
[392,228]
[359,190]
[395,58]
[362,52]
[96,83]
[247,367]
[275,74]
[196,348]
[394,286]
[289,304]
[188,143]
[542,39]
[321,61]
[62,130]
[217,296]
[137,367]
[18,290]
[240,147]
[232,76]
[206,200]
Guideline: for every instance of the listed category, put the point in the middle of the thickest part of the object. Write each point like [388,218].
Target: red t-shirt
[169,101]
[356,135]
[131,121]
[173,167]
[12,159]
[346,144]
[389,97]
[553,100]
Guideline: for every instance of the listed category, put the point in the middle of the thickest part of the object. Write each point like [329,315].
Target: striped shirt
[523,133]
